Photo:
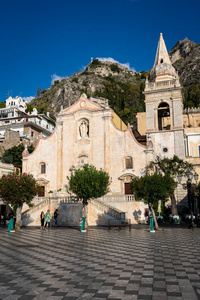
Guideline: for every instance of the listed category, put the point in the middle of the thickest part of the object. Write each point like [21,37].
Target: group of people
[46,218]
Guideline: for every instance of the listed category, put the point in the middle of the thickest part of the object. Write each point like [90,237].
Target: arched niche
[164,116]
[83,128]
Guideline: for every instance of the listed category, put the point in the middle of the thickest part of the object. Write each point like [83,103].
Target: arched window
[163,116]
[43,168]
[129,162]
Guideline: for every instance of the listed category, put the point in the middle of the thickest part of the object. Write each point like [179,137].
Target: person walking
[11,223]
[151,220]
[47,219]
[42,218]
[56,217]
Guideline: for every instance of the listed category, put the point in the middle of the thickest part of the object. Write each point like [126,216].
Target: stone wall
[69,214]
[135,211]
[12,138]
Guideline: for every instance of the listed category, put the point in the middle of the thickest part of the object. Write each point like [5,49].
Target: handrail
[112,211]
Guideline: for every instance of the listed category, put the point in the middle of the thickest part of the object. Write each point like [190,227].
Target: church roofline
[83,99]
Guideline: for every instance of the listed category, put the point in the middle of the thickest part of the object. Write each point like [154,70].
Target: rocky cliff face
[185,56]
[100,79]
[122,87]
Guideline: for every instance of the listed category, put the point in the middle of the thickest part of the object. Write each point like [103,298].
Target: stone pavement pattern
[64,263]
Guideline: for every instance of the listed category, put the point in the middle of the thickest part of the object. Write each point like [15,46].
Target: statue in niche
[84,129]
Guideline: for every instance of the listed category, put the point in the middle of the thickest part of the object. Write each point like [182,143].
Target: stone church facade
[85,133]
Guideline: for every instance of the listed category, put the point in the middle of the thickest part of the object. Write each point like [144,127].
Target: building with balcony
[28,126]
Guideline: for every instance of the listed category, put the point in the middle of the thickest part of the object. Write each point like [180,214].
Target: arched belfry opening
[164,116]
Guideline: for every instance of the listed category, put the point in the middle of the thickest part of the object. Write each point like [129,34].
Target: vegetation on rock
[122,87]
[185,56]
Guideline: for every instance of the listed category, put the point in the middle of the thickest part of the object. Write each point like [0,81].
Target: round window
[165,150]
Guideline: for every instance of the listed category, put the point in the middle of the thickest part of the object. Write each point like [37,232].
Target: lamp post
[190,176]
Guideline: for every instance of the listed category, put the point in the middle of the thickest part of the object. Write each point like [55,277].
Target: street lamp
[196,176]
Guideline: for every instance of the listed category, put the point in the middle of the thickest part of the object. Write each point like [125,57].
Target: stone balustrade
[161,84]
[191,110]
[117,198]
[69,199]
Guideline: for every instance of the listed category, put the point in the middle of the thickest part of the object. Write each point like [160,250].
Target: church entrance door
[127,189]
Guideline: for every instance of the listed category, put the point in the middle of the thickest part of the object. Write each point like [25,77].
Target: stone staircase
[38,207]
[107,209]
[31,216]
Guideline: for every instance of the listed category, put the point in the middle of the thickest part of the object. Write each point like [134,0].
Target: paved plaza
[64,263]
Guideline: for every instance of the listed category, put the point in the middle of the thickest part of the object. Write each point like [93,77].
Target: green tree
[151,188]
[75,79]
[172,167]
[115,68]
[38,91]
[193,95]
[14,154]
[87,183]
[29,108]
[95,63]
[2,104]
[56,82]
[44,91]
[17,190]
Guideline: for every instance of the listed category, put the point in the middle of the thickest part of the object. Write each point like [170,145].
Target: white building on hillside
[30,126]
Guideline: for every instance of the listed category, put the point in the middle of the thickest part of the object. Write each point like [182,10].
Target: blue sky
[45,38]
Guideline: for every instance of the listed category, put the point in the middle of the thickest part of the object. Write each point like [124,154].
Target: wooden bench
[119,224]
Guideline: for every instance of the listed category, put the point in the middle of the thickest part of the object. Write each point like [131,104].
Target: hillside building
[28,126]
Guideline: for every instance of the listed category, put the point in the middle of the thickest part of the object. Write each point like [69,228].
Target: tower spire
[162,69]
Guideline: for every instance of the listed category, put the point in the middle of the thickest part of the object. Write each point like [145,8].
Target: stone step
[108,209]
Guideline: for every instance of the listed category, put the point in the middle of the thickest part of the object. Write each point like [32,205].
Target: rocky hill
[122,87]
[112,81]
[185,56]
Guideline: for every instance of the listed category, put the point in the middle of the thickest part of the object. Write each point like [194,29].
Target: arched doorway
[125,183]
[43,187]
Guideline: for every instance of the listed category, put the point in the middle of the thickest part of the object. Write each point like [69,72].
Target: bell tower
[164,106]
